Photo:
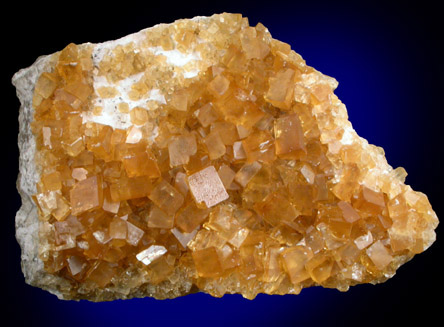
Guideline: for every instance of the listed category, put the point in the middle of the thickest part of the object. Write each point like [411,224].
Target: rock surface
[360,224]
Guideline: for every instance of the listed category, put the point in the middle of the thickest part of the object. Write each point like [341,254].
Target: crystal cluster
[206,155]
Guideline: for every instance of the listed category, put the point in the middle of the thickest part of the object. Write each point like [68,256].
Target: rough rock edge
[27,221]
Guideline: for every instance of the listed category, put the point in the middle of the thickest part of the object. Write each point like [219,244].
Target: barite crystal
[202,155]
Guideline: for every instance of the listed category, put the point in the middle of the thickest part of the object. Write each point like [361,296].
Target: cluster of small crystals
[246,179]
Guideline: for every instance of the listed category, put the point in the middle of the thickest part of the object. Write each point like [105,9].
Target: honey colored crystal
[206,155]
[86,195]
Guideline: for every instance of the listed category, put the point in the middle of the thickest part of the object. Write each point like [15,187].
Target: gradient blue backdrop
[388,61]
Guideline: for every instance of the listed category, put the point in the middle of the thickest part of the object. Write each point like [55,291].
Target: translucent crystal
[238,151]
[190,217]
[290,143]
[141,164]
[206,115]
[79,174]
[379,254]
[207,262]
[247,172]
[150,254]
[363,241]
[181,148]
[226,175]
[159,219]
[86,195]
[215,145]
[219,85]
[183,238]
[46,85]
[280,92]
[206,155]
[348,212]
[207,187]
[118,228]
[295,259]
[166,197]
[75,264]
[134,234]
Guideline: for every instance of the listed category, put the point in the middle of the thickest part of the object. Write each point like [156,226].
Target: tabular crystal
[202,154]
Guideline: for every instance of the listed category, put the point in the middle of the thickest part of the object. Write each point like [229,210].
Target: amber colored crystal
[280,91]
[289,137]
[206,115]
[207,262]
[86,195]
[141,164]
[207,153]
[207,187]
[190,217]
[127,188]
[219,85]
[215,145]
[181,148]
[294,260]
[159,219]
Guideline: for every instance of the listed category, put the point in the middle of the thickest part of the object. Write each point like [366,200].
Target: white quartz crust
[27,222]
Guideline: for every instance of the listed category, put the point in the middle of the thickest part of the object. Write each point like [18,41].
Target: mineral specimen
[202,155]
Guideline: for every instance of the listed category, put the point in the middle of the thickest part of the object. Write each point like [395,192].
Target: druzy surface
[205,155]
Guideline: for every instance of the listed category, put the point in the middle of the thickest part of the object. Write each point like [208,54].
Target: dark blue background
[388,61]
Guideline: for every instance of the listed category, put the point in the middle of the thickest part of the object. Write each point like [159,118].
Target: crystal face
[207,155]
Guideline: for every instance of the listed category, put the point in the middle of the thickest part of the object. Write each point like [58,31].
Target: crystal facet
[203,154]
